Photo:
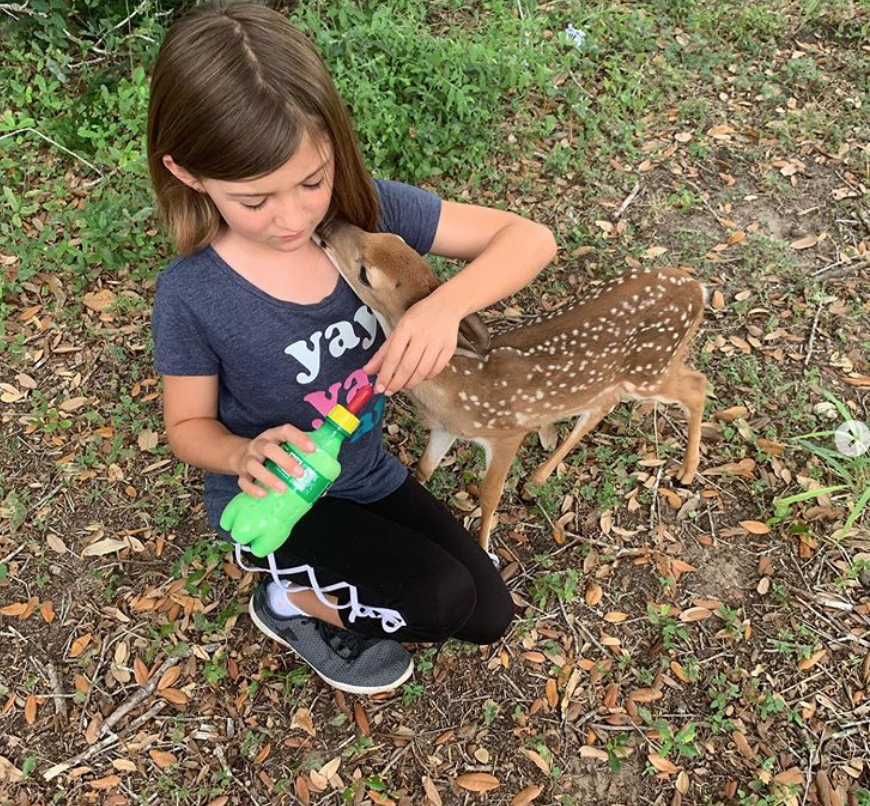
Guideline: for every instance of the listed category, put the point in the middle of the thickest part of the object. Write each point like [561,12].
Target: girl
[252,155]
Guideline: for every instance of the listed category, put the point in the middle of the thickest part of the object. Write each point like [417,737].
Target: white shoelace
[391,620]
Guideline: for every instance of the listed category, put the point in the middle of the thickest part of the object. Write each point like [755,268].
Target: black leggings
[405,552]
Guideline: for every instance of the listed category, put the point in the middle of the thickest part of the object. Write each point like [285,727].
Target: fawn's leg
[501,453]
[695,395]
[689,389]
[439,443]
[585,423]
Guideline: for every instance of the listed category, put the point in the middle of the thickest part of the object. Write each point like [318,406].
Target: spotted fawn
[625,339]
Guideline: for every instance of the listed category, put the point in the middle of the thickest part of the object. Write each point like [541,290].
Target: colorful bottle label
[309,486]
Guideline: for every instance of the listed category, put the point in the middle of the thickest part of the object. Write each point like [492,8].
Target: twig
[148,689]
[17,8]
[852,263]
[12,554]
[219,753]
[628,200]
[94,749]
[813,334]
[47,139]
[654,503]
[57,689]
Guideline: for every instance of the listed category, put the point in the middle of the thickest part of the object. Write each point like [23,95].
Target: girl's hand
[418,349]
[267,445]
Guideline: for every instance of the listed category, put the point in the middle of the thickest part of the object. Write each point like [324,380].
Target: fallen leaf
[330,768]
[71,405]
[593,752]
[162,758]
[525,796]
[98,300]
[147,439]
[170,676]
[109,782]
[105,546]
[812,660]
[302,719]
[593,594]
[806,242]
[362,721]
[682,782]
[743,745]
[695,614]
[14,609]
[662,764]
[551,692]
[431,791]
[174,695]
[303,792]
[755,527]
[30,709]
[478,782]
[730,415]
[140,671]
[56,544]
[9,772]
[615,617]
[47,611]
[645,695]
[537,759]
[80,644]
[223,800]
[124,764]
[794,776]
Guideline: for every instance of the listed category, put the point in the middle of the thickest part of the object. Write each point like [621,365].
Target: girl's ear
[181,174]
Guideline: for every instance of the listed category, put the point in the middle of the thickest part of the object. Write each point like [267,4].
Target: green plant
[412,692]
[682,742]
[723,692]
[562,584]
[673,633]
[616,748]
[854,471]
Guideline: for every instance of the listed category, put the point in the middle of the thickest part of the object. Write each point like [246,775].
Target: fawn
[623,340]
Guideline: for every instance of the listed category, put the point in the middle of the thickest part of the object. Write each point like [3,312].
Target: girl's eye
[256,206]
[313,185]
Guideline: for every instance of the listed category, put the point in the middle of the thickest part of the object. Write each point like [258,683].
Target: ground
[699,644]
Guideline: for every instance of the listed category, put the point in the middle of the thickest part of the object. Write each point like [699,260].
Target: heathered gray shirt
[281,362]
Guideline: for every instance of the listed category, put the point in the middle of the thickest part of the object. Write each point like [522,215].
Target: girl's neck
[305,275]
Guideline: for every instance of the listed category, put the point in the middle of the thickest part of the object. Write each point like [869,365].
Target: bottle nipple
[362,396]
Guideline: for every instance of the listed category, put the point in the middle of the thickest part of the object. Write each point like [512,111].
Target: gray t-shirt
[281,362]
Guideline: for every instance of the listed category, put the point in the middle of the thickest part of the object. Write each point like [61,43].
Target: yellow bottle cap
[343,419]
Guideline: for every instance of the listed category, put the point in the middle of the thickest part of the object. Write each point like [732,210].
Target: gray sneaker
[342,658]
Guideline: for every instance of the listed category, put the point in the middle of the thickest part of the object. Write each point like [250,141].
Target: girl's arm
[505,252]
[197,437]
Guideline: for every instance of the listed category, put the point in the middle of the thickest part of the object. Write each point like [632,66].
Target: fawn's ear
[473,336]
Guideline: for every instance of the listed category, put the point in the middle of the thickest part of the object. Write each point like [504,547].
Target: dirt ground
[672,644]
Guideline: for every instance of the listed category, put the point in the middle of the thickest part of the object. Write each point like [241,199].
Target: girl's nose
[290,217]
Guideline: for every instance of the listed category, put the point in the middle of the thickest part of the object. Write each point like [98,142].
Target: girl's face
[281,210]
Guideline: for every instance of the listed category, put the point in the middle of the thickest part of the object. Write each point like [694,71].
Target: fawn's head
[390,277]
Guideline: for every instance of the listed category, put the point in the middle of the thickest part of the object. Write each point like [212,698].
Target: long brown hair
[234,89]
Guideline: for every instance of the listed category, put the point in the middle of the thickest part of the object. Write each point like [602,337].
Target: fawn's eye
[364,275]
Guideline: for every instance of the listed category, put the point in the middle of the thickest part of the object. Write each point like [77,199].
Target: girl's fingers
[375,362]
[293,435]
[288,463]
[269,479]
[423,371]
[248,486]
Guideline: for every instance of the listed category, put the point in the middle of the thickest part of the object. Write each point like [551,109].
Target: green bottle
[265,523]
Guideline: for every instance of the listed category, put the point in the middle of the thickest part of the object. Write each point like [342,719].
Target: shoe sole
[334,683]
